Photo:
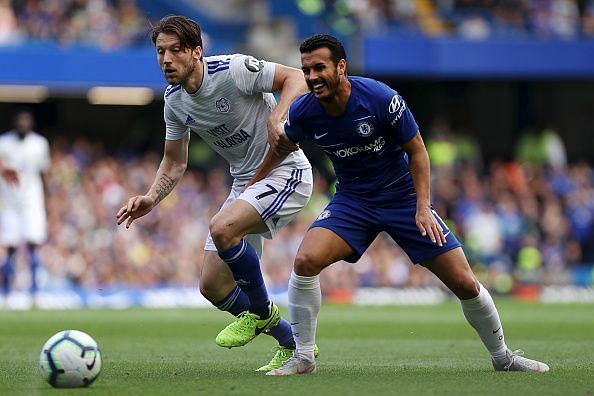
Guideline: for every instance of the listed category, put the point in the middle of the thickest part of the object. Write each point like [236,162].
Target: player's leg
[218,286]
[228,228]
[343,231]
[34,264]
[35,233]
[453,270]
[8,269]
[320,248]
[260,209]
[10,237]
[449,264]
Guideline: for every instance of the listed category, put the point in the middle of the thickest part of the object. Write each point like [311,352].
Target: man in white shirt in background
[24,158]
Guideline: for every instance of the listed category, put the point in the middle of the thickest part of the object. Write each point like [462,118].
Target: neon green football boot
[281,355]
[246,327]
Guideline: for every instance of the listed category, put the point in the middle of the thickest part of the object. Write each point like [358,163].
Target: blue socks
[245,266]
[251,294]
[235,302]
[283,334]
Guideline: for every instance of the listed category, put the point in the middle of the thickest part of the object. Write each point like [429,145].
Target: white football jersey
[229,112]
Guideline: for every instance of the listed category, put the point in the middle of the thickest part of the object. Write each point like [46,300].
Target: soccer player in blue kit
[382,168]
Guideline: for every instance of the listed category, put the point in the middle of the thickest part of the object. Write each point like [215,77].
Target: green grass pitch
[402,350]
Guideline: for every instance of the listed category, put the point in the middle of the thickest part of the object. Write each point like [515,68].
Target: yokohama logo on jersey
[374,147]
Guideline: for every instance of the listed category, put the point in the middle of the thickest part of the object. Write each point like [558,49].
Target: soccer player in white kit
[24,156]
[227,101]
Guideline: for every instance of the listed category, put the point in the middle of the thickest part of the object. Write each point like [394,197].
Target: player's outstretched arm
[272,159]
[420,169]
[290,83]
[172,168]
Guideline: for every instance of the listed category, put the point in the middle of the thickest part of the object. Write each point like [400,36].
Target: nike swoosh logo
[320,136]
[495,331]
[261,329]
[90,366]
[294,323]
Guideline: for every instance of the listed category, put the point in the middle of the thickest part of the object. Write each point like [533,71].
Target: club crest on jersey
[223,105]
[324,215]
[364,128]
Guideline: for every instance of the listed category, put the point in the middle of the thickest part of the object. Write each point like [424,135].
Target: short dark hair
[324,40]
[188,30]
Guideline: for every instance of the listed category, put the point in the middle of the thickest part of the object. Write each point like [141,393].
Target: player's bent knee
[206,290]
[306,264]
[466,287]
[212,291]
[221,234]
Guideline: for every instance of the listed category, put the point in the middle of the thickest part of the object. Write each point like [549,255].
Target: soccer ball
[70,359]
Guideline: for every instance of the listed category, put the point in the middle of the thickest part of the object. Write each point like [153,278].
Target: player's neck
[194,81]
[338,104]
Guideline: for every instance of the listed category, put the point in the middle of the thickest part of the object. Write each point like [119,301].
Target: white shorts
[278,198]
[19,225]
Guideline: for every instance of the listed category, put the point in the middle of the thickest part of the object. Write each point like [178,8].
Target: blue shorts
[358,221]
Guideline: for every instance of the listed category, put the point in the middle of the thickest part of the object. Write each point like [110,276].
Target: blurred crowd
[472,19]
[114,24]
[104,24]
[529,221]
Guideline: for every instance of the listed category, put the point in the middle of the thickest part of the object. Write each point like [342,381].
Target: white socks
[305,298]
[483,316]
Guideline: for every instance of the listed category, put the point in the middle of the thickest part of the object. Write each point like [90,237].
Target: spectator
[22,215]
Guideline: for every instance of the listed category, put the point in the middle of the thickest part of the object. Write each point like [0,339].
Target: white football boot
[515,362]
[295,365]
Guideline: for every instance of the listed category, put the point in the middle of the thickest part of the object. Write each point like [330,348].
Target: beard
[183,78]
[330,85]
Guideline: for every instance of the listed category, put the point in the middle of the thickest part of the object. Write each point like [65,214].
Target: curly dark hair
[188,30]
[324,40]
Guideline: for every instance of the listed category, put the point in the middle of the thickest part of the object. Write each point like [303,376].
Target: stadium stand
[526,220]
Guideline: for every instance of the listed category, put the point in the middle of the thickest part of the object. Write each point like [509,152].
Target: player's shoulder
[303,106]
[215,64]
[370,86]
[241,63]
[375,95]
[171,91]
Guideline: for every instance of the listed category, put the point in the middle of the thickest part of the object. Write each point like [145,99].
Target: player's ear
[198,52]
[341,67]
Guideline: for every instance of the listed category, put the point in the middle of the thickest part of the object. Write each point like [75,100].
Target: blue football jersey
[364,142]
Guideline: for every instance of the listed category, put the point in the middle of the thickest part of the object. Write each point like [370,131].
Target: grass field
[363,351]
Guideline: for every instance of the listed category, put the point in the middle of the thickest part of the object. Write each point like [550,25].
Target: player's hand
[428,226]
[10,175]
[136,207]
[278,142]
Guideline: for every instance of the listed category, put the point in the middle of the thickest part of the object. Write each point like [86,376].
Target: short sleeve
[293,129]
[395,114]
[174,128]
[252,75]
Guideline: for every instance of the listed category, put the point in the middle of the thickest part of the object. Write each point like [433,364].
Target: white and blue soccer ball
[70,359]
